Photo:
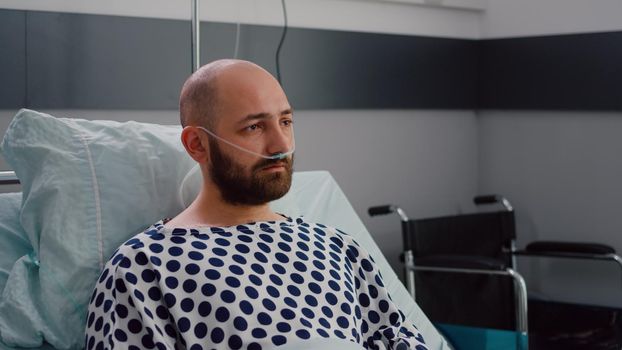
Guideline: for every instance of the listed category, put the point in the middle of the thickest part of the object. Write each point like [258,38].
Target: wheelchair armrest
[556,247]
[461,262]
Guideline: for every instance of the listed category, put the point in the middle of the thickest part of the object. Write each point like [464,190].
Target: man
[228,272]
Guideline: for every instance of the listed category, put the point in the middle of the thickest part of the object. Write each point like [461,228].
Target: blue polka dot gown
[254,286]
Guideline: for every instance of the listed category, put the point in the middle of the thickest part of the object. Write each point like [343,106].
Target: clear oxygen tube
[273,157]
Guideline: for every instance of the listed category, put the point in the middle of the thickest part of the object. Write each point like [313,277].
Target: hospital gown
[253,286]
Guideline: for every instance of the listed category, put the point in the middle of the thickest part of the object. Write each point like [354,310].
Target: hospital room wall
[377,156]
[560,169]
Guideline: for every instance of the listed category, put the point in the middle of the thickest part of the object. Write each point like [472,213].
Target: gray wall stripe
[111,62]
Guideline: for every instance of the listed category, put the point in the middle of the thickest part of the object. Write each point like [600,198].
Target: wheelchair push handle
[381,210]
[487,199]
[387,209]
[493,199]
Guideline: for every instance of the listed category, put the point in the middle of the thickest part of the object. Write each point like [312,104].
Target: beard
[239,188]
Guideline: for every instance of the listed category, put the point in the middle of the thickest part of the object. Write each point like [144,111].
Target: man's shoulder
[329,230]
[137,244]
[317,226]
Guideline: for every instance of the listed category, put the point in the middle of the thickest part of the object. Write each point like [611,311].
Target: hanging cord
[278,50]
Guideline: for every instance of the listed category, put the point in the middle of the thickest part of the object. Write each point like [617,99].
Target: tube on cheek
[272,157]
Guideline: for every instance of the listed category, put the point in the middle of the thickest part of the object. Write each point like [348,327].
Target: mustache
[287,162]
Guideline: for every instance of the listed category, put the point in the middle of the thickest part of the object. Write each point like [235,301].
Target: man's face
[256,116]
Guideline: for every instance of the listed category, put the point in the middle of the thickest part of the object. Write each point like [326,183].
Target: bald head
[206,91]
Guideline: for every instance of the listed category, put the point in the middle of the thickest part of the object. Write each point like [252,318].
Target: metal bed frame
[8,178]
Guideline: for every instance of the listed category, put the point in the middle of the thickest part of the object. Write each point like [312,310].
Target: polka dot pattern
[253,286]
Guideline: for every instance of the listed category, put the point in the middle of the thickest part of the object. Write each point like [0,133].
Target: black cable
[278,50]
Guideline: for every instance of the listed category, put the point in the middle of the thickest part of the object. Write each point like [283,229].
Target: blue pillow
[87,186]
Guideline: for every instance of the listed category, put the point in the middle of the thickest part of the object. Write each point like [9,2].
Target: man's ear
[191,139]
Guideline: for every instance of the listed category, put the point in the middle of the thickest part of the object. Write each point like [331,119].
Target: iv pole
[196,23]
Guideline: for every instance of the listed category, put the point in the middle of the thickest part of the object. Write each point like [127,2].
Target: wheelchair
[461,270]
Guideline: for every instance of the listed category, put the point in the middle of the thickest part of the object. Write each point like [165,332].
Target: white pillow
[13,242]
[87,187]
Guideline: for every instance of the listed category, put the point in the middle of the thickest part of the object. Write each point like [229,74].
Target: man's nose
[281,140]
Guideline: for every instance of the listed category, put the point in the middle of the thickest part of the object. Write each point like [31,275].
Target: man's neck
[209,209]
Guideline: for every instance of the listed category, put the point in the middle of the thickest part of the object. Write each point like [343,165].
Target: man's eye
[252,127]
[287,122]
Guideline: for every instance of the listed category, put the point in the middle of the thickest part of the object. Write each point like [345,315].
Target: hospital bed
[87,186]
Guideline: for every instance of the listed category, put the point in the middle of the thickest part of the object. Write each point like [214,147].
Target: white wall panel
[519,18]
[363,16]
[562,172]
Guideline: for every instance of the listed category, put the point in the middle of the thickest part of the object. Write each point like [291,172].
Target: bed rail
[8,178]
